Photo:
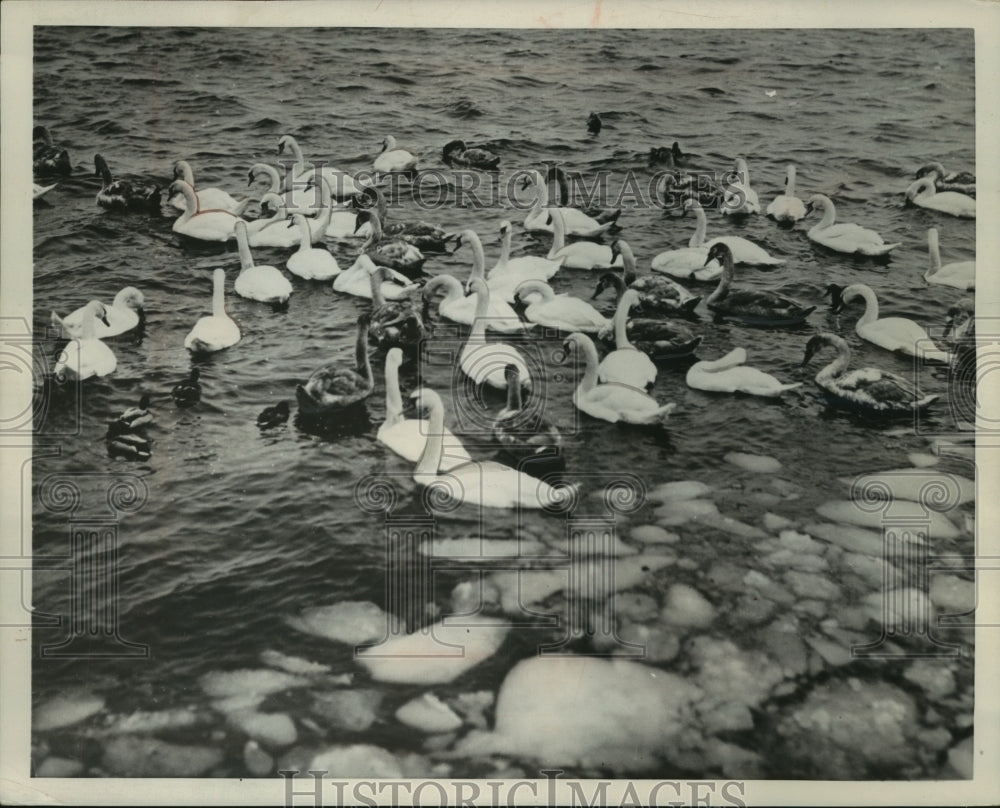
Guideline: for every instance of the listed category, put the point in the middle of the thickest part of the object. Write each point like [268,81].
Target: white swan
[739,198]
[311,263]
[961,274]
[208,198]
[484,483]
[393,159]
[684,263]
[124,314]
[263,283]
[461,308]
[295,200]
[86,355]
[501,317]
[407,437]
[729,375]
[787,208]
[356,280]
[923,194]
[891,333]
[209,225]
[845,238]
[217,331]
[579,254]
[38,191]
[483,361]
[563,312]
[341,183]
[612,402]
[509,272]
[577,223]
[626,364]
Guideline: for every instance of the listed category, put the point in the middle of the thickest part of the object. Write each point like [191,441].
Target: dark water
[244,528]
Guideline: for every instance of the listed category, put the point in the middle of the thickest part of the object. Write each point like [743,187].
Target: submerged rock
[351,710]
[657,643]
[960,757]
[350,622]
[933,676]
[774,522]
[435,654]
[586,711]
[248,683]
[653,534]
[904,608]
[258,762]
[727,673]
[59,767]
[900,510]
[681,489]
[357,760]
[853,539]
[133,756]
[292,664]
[429,714]
[66,710]
[953,594]
[142,722]
[759,464]
[677,512]
[270,729]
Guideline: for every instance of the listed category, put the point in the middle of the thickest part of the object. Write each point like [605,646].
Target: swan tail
[691,304]
[56,322]
[937,356]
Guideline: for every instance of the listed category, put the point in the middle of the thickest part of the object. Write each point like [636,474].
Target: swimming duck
[124,314]
[868,389]
[208,198]
[922,193]
[47,157]
[729,375]
[484,483]
[962,182]
[787,208]
[739,198]
[127,444]
[961,274]
[355,280]
[86,355]
[563,312]
[575,222]
[612,402]
[311,263]
[656,294]
[509,272]
[204,225]
[523,432]
[332,388]
[271,417]
[626,364]
[456,153]
[121,194]
[579,254]
[136,417]
[461,308]
[393,159]
[217,331]
[407,437]
[264,284]
[394,253]
[594,123]
[342,184]
[753,307]
[845,238]
[891,333]
[483,361]
[187,393]
[671,155]
[396,323]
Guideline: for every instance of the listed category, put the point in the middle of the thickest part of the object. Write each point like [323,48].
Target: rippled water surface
[243,529]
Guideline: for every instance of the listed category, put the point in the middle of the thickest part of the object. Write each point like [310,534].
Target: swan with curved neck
[730,375]
[332,388]
[656,293]
[208,198]
[122,195]
[396,323]
[264,284]
[612,402]
[844,237]
[961,181]
[891,333]
[482,361]
[579,254]
[960,275]
[754,307]
[524,433]
[626,364]
[739,198]
[509,272]
[299,199]
[393,159]
[217,331]
[924,194]
[564,312]
[484,483]
[501,316]
[787,208]
[576,222]
[124,314]
[204,225]
[355,280]
[86,355]
[393,252]
[407,437]
[869,389]
[341,183]
[311,263]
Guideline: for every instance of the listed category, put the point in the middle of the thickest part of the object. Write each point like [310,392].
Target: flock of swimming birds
[303,207]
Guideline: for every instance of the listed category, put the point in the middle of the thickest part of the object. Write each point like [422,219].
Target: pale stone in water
[809,585]
[270,729]
[960,757]
[768,588]
[833,653]
[759,464]
[726,716]
[66,710]
[900,510]
[659,643]
[870,568]
[473,706]
[248,682]
[292,664]
[922,460]
[134,756]
[727,673]
[146,722]
[635,606]
[855,539]
[677,512]
[436,654]
[352,710]
[933,676]
[473,547]
[429,714]
[59,767]
[915,484]
[358,760]
[898,608]
[782,639]
[774,522]
[233,704]
[586,711]
[258,762]
[687,607]
[733,526]
[681,489]
[954,595]
[653,534]
[350,622]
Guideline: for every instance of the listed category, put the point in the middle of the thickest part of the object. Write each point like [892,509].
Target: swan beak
[249,178]
[104,319]
[809,208]
[525,183]
[291,221]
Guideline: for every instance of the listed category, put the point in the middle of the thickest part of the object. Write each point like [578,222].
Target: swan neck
[871,306]
[701,227]
[829,214]
[505,245]
[393,398]
[725,280]
[621,320]
[375,279]
[190,199]
[246,258]
[513,393]
[430,460]
[272,174]
[305,234]
[935,252]
[790,184]
[102,167]
[840,362]
[589,381]
[558,231]
[362,362]
[478,257]
[219,297]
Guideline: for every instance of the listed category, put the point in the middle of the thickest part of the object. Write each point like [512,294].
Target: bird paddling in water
[188,392]
[594,123]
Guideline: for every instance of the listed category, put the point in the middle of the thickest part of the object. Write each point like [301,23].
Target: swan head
[836,293]
[97,309]
[131,298]
[719,252]
[182,170]
[607,280]
[629,298]
[144,402]
[921,186]
[817,342]
[504,228]
[451,147]
[271,203]
[285,141]
[394,357]
[477,286]
[388,143]
[817,201]
[930,169]
[424,398]
[364,216]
